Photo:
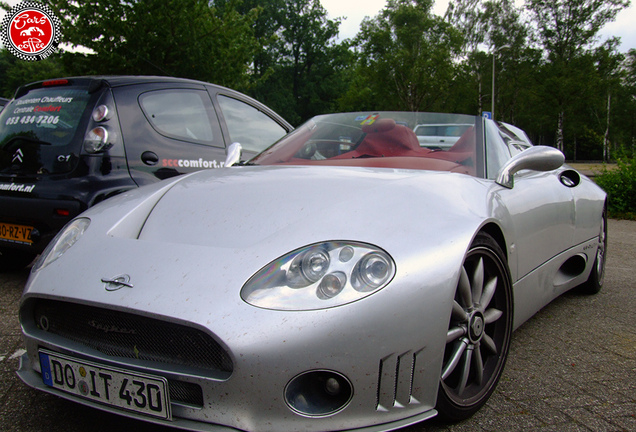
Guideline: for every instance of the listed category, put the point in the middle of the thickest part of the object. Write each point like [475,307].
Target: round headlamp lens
[315,264]
[374,270]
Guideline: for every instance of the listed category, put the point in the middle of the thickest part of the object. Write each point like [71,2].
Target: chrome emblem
[118,282]
[17,156]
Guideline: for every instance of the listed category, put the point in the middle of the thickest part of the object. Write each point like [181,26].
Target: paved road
[572,367]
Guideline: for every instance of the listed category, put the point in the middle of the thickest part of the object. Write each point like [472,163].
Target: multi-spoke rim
[479,330]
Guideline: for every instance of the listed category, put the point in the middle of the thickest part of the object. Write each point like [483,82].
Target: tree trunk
[559,137]
[606,136]
[480,107]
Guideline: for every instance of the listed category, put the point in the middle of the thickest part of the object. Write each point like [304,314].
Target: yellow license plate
[15,233]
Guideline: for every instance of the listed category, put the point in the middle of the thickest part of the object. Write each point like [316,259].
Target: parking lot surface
[572,367]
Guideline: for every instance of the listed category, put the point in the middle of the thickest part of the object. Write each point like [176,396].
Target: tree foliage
[186,38]
[406,58]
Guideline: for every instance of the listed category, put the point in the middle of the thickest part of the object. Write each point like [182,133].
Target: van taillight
[101,113]
[96,140]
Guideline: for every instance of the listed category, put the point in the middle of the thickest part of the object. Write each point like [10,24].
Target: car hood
[199,238]
[247,206]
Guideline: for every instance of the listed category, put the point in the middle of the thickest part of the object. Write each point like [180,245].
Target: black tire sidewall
[595,281]
[447,408]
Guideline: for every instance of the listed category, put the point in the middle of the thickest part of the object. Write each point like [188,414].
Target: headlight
[320,276]
[61,243]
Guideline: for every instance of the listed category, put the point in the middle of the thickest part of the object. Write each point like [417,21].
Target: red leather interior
[388,145]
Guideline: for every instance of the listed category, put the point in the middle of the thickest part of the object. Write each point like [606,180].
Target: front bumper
[393,385]
[29,376]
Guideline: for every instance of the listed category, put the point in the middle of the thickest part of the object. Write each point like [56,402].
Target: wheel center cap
[476,327]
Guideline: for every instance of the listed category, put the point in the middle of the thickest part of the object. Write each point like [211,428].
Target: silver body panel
[190,244]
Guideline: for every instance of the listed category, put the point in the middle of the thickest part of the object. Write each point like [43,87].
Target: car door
[168,129]
[541,207]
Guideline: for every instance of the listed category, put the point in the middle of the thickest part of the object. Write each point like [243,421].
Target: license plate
[16,233]
[132,391]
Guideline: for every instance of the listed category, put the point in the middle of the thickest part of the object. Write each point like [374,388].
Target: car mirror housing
[538,158]
[234,152]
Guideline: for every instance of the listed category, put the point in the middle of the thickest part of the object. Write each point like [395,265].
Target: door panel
[543,216]
[168,131]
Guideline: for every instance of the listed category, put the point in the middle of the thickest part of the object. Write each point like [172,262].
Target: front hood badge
[117,282]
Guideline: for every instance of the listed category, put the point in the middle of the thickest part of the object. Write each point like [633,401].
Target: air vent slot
[395,380]
[573,267]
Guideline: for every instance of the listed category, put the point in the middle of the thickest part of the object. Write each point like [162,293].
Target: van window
[181,114]
[253,129]
[47,115]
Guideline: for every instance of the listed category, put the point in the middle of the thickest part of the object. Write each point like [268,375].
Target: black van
[67,144]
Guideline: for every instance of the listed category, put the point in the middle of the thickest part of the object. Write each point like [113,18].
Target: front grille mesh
[122,334]
[181,391]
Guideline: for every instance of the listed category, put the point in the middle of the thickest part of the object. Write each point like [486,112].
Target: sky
[355,10]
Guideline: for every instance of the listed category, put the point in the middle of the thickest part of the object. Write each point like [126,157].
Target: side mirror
[538,158]
[233,154]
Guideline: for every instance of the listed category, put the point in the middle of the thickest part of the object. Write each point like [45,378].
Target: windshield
[380,139]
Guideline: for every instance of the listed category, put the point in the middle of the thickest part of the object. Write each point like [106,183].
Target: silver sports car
[346,278]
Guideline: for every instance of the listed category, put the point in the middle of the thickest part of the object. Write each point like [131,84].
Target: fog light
[332,386]
[318,393]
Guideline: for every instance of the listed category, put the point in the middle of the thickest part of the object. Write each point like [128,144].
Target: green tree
[186,38]
[468,16]
[406,58]
[567,30]
[15,72]
[302,70]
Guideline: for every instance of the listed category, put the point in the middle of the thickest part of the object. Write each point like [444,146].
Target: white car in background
[440,136]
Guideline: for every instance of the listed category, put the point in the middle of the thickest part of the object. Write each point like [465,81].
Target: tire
[12,260]
[478,337]
[594,283]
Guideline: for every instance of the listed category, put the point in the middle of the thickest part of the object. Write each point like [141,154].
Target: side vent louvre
[396,374]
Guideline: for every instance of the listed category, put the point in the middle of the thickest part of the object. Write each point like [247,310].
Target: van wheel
[12,260]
